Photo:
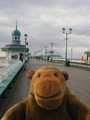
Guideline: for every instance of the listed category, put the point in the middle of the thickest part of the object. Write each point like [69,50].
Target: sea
[2,58]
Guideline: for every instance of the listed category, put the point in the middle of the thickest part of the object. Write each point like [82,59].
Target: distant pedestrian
[48,58]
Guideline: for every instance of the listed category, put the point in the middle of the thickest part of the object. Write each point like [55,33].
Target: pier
[79,83]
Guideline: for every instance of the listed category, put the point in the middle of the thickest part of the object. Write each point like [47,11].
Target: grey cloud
[43,20]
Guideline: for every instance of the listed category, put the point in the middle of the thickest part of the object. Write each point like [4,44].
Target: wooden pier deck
[79,84]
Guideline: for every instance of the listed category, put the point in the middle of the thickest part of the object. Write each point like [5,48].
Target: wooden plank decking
[79,84]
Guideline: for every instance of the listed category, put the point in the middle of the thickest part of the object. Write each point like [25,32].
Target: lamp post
[63,30]
[71,53]
[45,52]
[25,36]
[51,52]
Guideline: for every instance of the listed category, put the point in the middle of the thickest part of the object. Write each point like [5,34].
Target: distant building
[15,51]
[43,54]
[88,55]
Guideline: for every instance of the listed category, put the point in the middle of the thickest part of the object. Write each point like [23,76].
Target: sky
[43,21]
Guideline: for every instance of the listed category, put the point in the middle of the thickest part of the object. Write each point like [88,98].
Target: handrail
[75,63]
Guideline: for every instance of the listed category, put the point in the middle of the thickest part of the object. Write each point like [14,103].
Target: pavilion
[15,51]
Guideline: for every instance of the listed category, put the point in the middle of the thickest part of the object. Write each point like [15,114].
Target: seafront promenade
[79,83]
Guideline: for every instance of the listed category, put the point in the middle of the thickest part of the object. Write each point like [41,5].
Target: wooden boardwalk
[79,84]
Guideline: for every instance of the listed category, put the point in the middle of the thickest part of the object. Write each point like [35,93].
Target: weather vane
[16,24]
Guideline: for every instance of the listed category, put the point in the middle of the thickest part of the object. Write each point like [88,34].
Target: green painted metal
[87,52]
[66,50]
[76,64]
[51,52]
[15,49]
[25,35]
[25,65]
[63,30]
[16,32]
[87,66]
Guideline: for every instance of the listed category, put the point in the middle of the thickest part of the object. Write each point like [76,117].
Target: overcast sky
[43,20]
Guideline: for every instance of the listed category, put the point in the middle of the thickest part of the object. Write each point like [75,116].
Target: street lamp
[45,52]
[51,52]
[63,30]
[71,53]
[25,36]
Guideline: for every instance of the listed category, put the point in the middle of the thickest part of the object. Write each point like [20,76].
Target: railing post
[76,64]
[81,65]
[87,66]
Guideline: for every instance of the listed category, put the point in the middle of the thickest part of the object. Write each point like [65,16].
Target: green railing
[74,63]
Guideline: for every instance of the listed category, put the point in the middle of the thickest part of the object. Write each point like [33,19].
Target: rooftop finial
[16,24]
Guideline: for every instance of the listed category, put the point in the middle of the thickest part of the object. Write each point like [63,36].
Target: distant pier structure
[15,51]
[88,55]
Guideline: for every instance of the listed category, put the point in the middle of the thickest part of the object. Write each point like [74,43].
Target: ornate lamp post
[63,30]
[45,52]
[51,52]
[25,36]
[71,53]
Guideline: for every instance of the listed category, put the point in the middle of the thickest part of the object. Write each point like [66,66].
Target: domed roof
[16,32]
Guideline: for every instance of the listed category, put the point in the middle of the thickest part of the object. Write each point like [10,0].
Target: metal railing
[74,63]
